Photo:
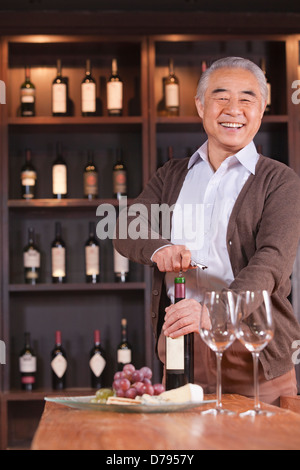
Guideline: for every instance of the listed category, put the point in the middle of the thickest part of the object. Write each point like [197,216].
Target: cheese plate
[85,403]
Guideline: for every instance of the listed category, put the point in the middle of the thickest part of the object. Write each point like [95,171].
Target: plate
[84,403]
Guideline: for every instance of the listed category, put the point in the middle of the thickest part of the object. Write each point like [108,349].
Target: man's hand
[182,318]
[173,258]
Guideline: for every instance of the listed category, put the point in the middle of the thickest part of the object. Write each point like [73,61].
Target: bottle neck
[58,230]
[30,236]
[58,66]
[58,338]
[97,337]
[27,340]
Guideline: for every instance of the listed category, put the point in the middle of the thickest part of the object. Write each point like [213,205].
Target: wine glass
[217,330]
[255,329]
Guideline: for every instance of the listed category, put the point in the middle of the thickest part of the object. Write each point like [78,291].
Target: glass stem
[219,380]
[255,357]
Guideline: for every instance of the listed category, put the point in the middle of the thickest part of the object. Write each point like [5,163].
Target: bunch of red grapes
[132,382]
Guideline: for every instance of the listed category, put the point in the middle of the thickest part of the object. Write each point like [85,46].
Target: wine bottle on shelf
[179,351]
[97,362]
[203,66]
[27,97]
[59,175]
[31,259]
[121,267]
[90,178]
[92,251]
[58,364]
[88,92]
[114,91]
[124,351]
[172,91]
[28,177]
[59,93]
[119,177]
[269,101]
[27,365]
[58,257]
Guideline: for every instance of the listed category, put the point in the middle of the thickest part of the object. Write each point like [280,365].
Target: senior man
[249,232]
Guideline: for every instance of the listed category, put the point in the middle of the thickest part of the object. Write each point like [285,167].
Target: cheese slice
[186,393]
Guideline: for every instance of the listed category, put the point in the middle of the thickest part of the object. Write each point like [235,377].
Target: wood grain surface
[64,428]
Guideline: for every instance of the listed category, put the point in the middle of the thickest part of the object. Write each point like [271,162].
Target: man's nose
[233,106]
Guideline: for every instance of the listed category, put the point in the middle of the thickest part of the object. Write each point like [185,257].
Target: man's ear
[200,107]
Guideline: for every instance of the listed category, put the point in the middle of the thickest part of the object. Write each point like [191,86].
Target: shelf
[77,287]
[20,395]
[178,120]
[106,123]
[75,203]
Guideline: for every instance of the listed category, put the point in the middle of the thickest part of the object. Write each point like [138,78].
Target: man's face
[232,110]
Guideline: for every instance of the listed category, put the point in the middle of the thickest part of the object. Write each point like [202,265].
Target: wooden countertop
[64,428]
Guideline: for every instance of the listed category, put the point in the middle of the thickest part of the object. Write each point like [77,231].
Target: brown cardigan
[262,240]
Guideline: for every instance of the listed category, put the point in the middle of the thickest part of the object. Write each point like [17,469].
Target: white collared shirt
[201,215]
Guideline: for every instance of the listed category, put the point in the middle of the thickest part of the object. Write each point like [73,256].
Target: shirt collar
[248,156]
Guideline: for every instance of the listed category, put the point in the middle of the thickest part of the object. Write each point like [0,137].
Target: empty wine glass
[255,329]
[217,330]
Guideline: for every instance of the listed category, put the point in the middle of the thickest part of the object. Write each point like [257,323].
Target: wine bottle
[28,177]
[119,177]
[27,365]
[179,351]
[92,250]
[59,175]
[97,362]
[59,93]
[269,101]
[114,91]
[124,352]
[90,178]
[27,97]
[58,364]
[172,92]
[88,93]
[121,267]
[31,260]
[58,256]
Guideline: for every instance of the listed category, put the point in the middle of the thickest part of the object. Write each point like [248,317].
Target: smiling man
[250,231]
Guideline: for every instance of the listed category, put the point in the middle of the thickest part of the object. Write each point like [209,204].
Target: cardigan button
[155,292]
[153,314]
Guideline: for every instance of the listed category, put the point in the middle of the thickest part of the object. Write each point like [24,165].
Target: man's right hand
[173,258]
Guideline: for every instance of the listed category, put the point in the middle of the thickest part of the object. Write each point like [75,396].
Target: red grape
[117,375]
[131,393]
[147,372]
[140,387]
[120,393]
[137,376]
[124,384]
[129,367]
[149,389]
[158,389]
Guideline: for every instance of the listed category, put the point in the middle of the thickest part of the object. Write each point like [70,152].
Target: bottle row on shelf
[60,94]
[32,259]
[29,177]
[169,106]
[96,360]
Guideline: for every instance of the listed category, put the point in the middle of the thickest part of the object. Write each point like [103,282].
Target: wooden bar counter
[64,428]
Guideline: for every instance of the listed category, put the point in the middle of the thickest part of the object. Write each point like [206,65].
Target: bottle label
[119,182]
[28,178]
[59,98]
[59,179]
[58,261]
[175,353]
[124,356]
[172,95]
[32,259]
[59,365]
[121,264]
[27,95]
[97,364]
[114,95]
[90,182]
[27,363]
[92,260]
[88,97]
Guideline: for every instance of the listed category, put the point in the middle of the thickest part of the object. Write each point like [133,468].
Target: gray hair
[232,62]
